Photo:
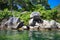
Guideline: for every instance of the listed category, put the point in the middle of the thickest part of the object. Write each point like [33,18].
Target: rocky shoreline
[35,23]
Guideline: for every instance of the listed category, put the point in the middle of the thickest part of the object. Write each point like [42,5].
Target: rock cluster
[12,23]
[37,22]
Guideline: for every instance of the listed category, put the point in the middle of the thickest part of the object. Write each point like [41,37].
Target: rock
[13,22]
[24,27]
[2,24]
[46,24]
[58,24]
[31,23]
[20,29]
[49,24]
[20,24]
[53,24]
[34,14]
[36,27]
[37,24]
[35,18]
[31,28]
[40,25]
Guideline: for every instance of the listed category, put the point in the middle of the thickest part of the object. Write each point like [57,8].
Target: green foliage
[27,5]
[45,14]
[25,17]
[5,14]
[58,13]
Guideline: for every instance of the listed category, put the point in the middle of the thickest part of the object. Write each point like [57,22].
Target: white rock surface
[58,24]
[53,24]
[30,21]
[37,24]
[24,27]
[31,27]
[46,24]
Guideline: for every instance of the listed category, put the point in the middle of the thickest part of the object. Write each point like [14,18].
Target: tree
[58,12]
[25,4]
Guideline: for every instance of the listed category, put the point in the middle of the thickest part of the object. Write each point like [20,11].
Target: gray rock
[31,23]
[2,24]
[24,27]
[58,24]
[35,18]
[53,24]
[34,14]
[31,28]
[46,24]
[13,22]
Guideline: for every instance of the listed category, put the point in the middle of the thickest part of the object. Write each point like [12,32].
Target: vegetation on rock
[26,5]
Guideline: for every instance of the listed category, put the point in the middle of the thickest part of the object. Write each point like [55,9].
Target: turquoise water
[29,35]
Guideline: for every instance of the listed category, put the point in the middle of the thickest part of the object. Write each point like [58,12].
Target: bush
[25,17]
[45,14]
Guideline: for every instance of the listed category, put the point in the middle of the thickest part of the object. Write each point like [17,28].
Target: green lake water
[29,35]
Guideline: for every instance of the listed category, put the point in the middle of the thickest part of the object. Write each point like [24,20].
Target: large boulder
[13,20]
[14,23]
[35,18]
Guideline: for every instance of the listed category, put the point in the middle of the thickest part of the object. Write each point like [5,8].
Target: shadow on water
[29,35]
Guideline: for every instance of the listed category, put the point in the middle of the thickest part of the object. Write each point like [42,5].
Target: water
[29,35]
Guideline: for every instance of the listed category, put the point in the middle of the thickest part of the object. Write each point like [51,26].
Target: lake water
[29,35]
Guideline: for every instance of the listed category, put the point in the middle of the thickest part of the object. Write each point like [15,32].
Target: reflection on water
[13,35]
[45,35]
[29,35]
